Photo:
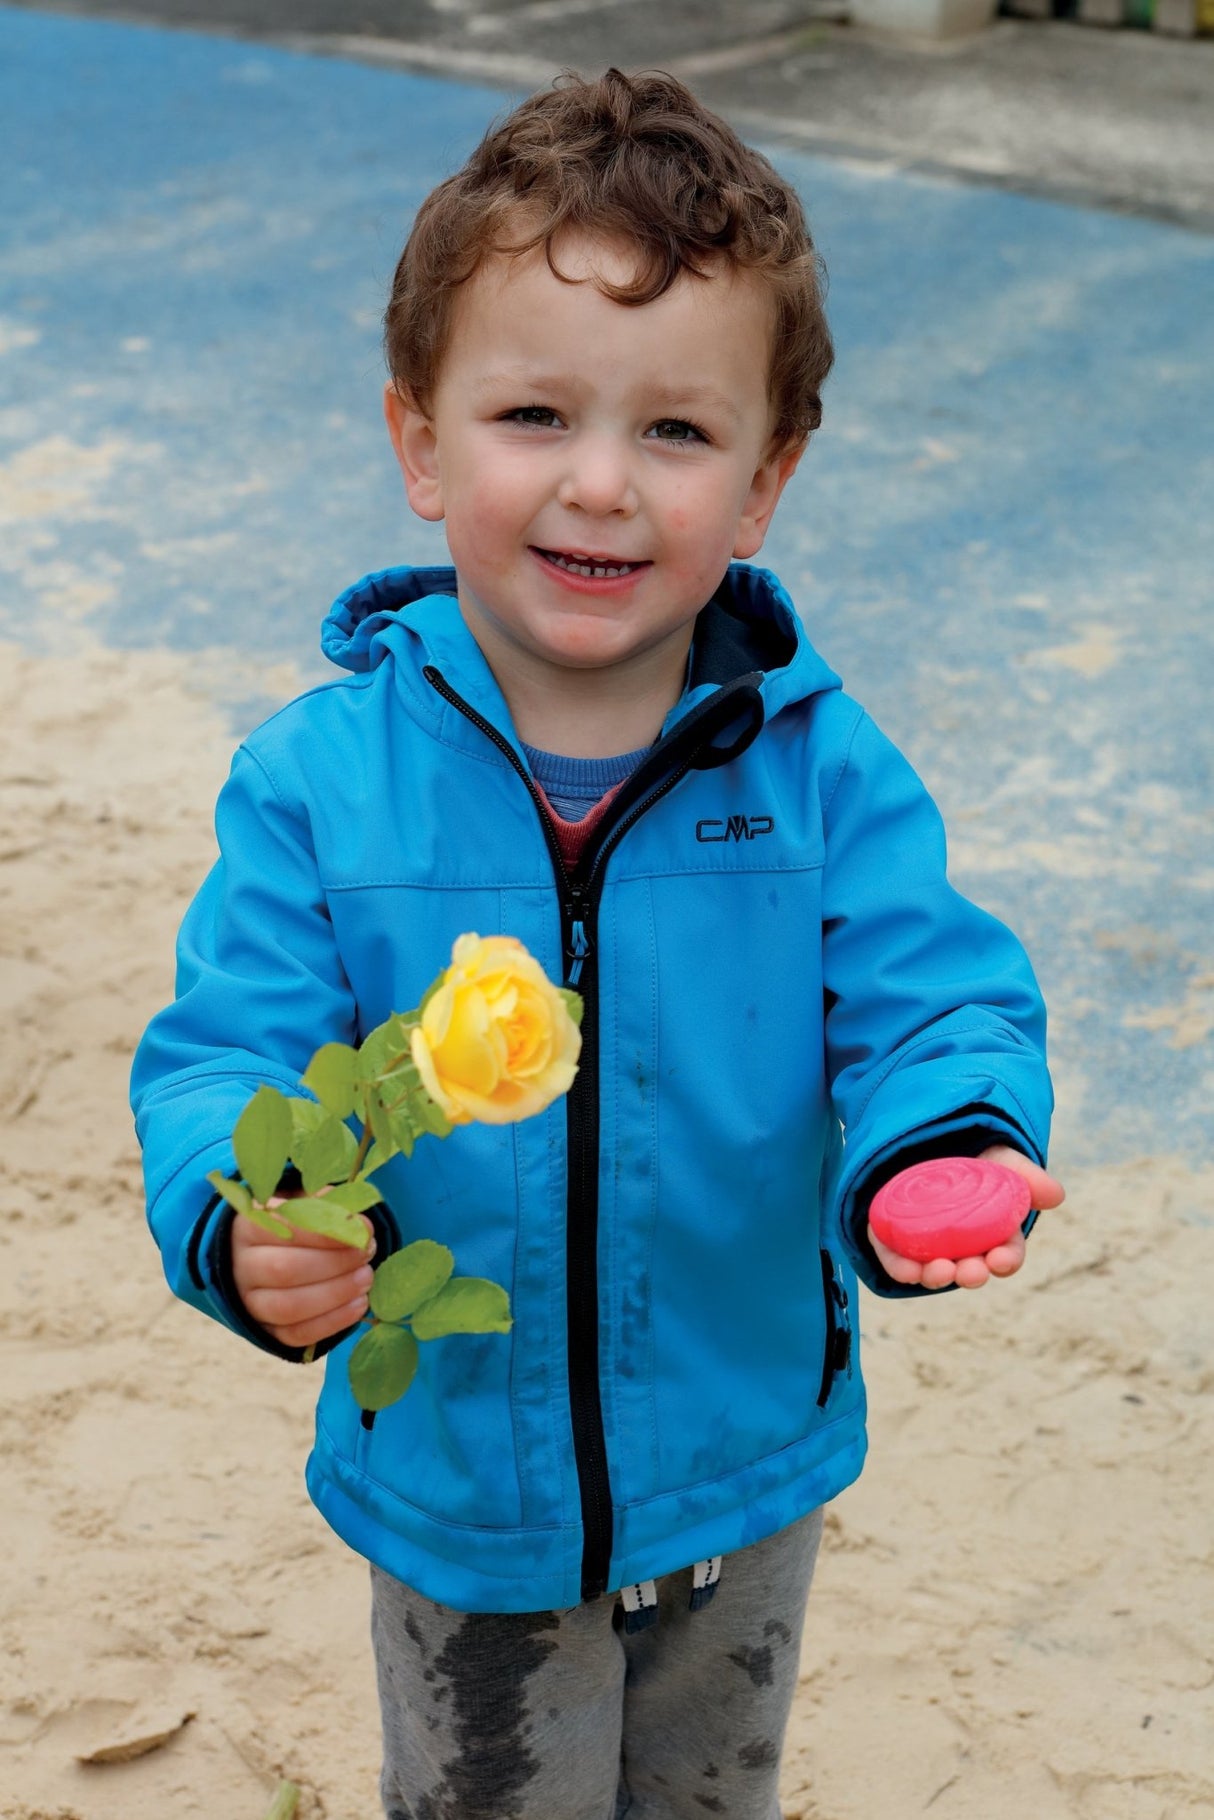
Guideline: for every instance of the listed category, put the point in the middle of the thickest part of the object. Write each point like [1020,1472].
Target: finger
[971,1273]
[1005,1260]
[308,1301]
[310,1333]
[939,1274]
[288,1266]
[902,1270]
[1046,1191]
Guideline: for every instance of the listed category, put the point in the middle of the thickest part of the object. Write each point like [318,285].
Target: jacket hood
[749,627]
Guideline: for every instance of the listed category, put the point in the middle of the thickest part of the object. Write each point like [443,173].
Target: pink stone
[954,1207]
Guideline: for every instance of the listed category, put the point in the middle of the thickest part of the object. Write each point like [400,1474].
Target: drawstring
[640,1606]
[640,1601]
[705,1575]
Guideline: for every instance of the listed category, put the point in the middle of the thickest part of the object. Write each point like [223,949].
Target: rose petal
[497,1040]
[468,1054]
[424,1063]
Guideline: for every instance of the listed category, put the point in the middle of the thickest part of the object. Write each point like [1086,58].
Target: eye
[533,416]
[676,430]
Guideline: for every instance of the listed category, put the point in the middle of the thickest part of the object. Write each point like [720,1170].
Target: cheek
[707,504]
[490,503]
[700,526]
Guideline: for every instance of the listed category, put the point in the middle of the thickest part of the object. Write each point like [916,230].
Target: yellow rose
[496,1041]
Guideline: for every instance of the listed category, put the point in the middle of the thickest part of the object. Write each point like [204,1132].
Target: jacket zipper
[582,1268]
[580,893]
[836,1352]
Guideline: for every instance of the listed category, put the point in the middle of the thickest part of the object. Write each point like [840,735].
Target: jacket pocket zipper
[836,1353]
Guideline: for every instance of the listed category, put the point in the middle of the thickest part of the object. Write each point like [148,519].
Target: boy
[592,1540]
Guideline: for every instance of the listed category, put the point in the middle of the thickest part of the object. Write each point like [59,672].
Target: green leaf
[382,1366]
[409,1278]
[395,1129]
[331,1076]
[382,1050]
[377,1156]
[429,1115]
[306,1117]
[322,1148]
[399,1088]
[377,1118]
[240,1200]
[270,1220]
[381,1129]
[466,1305]
[234,1193]
[262,1140]
[326,1216]
[355,1196]
[573,1003]
[403,1127]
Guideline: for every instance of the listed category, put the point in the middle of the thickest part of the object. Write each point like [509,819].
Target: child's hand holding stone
[1002,1261]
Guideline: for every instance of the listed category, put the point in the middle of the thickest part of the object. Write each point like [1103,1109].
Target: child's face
[597,464]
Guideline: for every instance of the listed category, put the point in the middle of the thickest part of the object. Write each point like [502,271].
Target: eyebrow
[662,397]
[705,397]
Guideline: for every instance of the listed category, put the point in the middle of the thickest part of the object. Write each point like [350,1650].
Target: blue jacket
[771,957]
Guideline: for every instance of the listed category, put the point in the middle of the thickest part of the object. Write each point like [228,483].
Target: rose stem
[364,1145]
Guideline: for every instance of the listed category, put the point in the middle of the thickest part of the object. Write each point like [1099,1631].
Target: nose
[598,480]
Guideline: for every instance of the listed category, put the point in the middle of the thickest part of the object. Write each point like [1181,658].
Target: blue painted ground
[1001,537]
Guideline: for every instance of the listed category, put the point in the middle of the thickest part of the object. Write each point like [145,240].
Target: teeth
[598,571]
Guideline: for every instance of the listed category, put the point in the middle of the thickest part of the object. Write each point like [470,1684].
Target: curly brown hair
[632,158]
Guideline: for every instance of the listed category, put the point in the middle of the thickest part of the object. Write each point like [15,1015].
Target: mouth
[588,566]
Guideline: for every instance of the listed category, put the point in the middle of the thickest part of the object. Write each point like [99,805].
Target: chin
[581,642]
[582,657]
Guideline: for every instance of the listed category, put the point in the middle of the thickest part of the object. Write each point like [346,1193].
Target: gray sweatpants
[562,1715]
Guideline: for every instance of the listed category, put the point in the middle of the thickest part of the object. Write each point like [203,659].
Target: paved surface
[1124,119]
[1001,536]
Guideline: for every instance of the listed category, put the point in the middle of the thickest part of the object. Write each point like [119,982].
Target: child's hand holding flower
[493,1040]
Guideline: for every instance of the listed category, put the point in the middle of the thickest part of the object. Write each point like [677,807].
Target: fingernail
[362,1278]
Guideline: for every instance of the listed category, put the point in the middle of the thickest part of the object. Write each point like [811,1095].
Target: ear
[416,448]
[765,489]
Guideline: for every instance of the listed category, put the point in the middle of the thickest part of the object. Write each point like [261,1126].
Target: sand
[1012,1618]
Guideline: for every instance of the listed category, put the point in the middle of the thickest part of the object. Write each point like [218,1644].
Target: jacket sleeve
[935,1027]
[260,986]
